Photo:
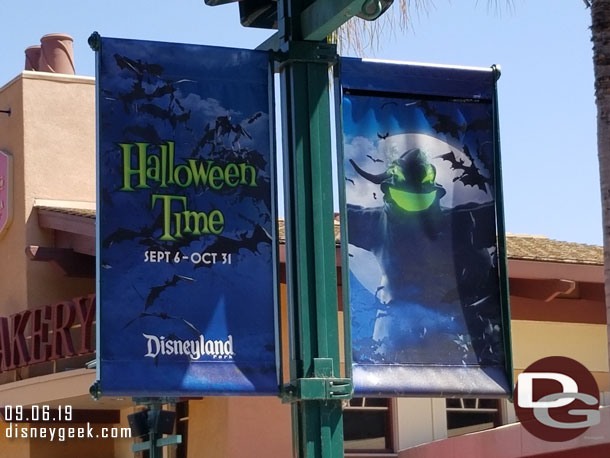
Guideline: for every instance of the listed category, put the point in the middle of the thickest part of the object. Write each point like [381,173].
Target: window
[470,415]
[367,425]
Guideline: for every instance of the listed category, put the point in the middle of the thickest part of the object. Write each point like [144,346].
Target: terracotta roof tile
[525,247]
[537,248]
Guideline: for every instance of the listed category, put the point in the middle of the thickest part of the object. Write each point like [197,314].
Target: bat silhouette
[163,316]
[479,124]
[255,117]
[206,139]
[137,67]
[164,114]
[456,164]
[472,176]
[485,154]
[122,234]
[470,173]
[239,131]
[144,233]
[228,245]
[383,137]
[373,159]
[444,124]
[156,291]
[223,125]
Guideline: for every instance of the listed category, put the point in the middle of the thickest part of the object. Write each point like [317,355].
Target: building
[47,331]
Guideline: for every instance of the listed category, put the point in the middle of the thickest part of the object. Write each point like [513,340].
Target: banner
[186,221]
[429,307]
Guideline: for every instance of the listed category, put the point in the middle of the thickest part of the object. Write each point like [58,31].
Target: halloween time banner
[429,313]
[186,220]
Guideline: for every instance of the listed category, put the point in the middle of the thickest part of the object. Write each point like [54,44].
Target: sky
[546,94]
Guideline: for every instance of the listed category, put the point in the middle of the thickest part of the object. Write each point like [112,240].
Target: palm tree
[360,35]
[600,35]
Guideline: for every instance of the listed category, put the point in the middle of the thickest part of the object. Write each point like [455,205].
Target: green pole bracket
[321,387]
[165,441]
[306,52]
[155,441]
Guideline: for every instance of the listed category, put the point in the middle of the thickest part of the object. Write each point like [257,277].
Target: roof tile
[525,247]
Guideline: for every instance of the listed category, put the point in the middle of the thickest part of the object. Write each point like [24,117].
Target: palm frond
[363,37]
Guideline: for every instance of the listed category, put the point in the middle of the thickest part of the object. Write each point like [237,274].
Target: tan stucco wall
[207,429]
[73,447]
[585,343]
[261,426]
[122,447]
[59,151]
[13,263]
[51,136]
[15,448]
[239,427]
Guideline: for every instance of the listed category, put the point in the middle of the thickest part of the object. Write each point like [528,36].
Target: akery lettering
[44,334]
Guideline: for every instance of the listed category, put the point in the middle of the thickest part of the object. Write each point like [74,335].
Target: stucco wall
[239,427]
[51,136]
[59,164]
[12,279]
[15,448]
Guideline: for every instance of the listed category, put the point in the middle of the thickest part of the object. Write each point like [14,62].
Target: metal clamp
[306,52]
[321,387]
[317,389]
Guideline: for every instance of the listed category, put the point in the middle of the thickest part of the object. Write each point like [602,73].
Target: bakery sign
[53,331]
[6,188]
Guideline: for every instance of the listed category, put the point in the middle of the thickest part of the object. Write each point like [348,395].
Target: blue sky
[547,107]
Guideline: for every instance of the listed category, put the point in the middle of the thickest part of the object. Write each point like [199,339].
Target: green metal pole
[154,435]
[311,272]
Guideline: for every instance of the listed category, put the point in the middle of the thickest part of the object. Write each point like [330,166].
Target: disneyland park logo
[194,349]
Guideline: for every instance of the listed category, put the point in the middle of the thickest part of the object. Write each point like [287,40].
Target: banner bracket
[95,41]
[318,389]
[306,52]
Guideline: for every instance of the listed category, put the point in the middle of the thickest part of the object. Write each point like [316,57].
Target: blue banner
[186,221]
[429,310]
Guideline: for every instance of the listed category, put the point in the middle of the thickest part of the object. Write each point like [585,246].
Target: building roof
[82,212]
[539,248]
[524,247]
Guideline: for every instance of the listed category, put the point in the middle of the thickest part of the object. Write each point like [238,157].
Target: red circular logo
[557,399]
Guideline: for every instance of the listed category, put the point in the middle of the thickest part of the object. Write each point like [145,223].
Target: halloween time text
[147,166]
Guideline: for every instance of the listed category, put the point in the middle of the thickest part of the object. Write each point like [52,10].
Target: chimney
[56,54]
[32,56]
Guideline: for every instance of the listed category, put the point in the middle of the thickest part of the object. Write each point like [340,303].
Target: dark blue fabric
[213,106]
[420,79]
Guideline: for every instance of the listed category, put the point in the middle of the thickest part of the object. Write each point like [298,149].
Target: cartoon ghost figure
[428,254]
